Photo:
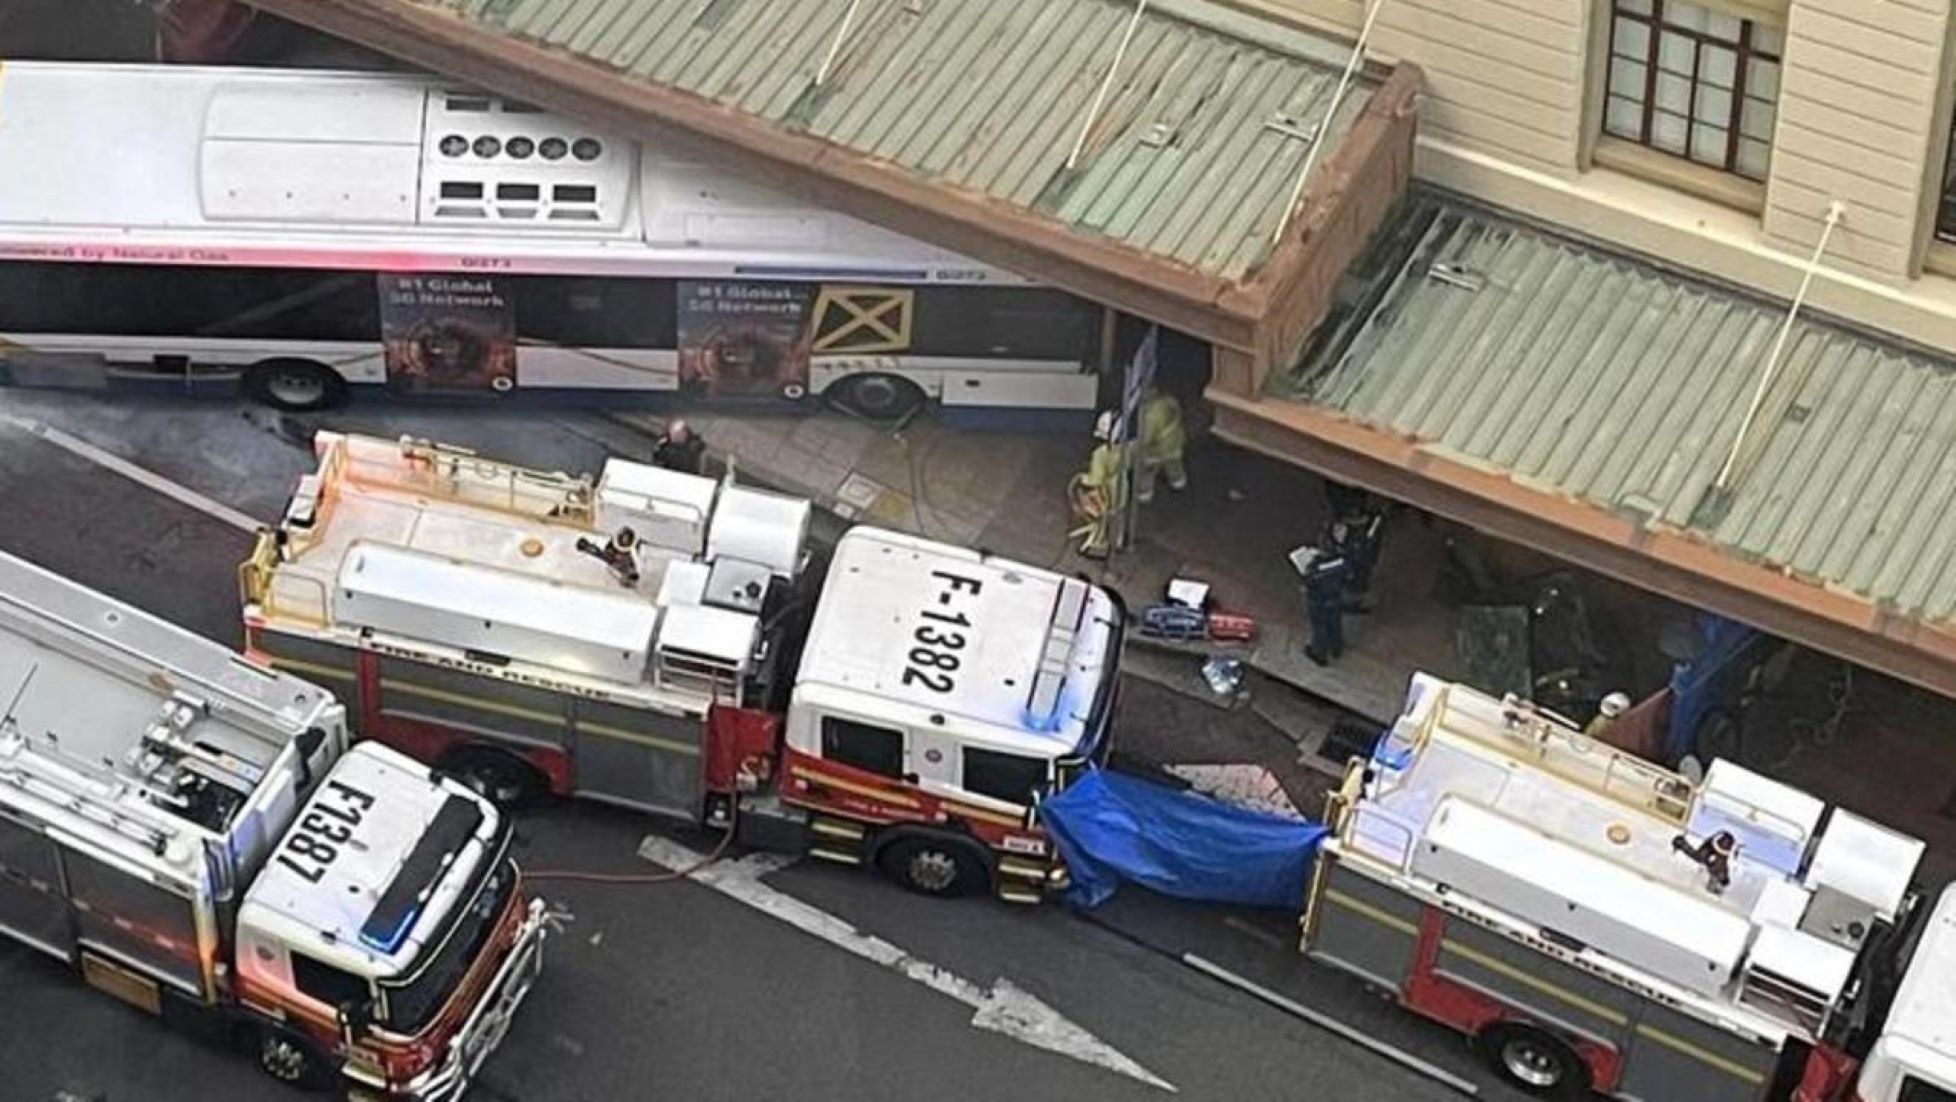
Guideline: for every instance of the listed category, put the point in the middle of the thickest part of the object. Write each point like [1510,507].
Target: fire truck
[193,835]
[663,641]
[1597,923]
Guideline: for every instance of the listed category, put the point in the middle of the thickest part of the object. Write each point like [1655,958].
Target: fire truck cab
[938,684]
[666,642]
[1913,1057]
[193,834]
[376,922]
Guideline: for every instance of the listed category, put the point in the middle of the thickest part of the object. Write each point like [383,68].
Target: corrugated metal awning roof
[1509,353]
[1192,154]
[953,121]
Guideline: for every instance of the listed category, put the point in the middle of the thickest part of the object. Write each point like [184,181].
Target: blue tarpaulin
[1695,684]
[1110,827]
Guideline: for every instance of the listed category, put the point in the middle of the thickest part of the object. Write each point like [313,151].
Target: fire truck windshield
[411,1004]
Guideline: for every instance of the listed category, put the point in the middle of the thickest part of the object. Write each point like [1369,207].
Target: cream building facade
[1710,134]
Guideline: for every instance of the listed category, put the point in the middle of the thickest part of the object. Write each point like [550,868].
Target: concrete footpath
[1004,492]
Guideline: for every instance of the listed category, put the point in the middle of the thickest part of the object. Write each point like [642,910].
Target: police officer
[680,448]
[1325,572]
[1362,531]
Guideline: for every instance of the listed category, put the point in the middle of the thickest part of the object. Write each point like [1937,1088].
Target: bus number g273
[315,842]
[935,657]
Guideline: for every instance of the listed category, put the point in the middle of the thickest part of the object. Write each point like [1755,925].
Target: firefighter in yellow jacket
[1099,493]
[1160,445]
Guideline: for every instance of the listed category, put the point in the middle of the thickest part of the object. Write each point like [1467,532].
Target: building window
[1946,213]
[1694,82]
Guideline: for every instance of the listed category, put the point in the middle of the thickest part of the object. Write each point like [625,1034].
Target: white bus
[301,234]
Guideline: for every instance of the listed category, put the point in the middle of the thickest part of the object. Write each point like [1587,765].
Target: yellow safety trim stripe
[1382,917]
[984,815]
[863,790]
[313,669]
[608,731]
[463,700]
[1563,994]
[1679,1044]
[604,730]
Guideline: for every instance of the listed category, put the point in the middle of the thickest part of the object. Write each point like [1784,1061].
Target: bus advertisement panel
[447,333]
[742,339]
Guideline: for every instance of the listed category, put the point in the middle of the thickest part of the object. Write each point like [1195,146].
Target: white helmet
[1103,426]
[1615,705]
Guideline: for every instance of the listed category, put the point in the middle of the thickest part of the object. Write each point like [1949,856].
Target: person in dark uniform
[1362,528]
[1324,572]
[680,448]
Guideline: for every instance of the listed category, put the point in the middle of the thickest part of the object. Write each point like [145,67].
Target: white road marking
[1003,1008]
[148,478]
[1325,1022]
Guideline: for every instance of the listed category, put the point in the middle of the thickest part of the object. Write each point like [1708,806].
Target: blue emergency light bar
[393,916]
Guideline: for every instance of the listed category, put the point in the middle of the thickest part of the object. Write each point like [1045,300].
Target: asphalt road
[670,990]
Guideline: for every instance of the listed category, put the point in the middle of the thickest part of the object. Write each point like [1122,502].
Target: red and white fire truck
[660,640]
[1598,923]
[192,834]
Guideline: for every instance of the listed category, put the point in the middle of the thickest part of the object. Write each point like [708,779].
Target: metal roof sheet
[1192,156]
[1606,378]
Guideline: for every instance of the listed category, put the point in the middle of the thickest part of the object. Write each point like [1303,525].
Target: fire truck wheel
[295,386]
[1534,1060]
[936,864]
[290,1059]
[503,777]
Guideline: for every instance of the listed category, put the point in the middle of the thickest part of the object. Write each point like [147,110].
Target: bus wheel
[877,396]
[295,386]
[497,775]
[933,863]
[290,1059]
[1533,1060]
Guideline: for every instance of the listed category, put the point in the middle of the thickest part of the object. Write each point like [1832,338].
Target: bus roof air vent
[524,167]
[315,153]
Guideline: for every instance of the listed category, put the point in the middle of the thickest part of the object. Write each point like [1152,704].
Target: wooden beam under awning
[1266,317]
[1665,561]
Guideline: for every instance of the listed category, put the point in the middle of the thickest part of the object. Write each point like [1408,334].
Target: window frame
[190,301]
[1746,53]
[830,727]
[336,972]
[1914,1088]
[1942,223]
[965,753]
[633,313]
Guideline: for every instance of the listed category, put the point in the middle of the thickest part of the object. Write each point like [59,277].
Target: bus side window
[281,303]
[1031,323]
[865,746]
[592,312]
